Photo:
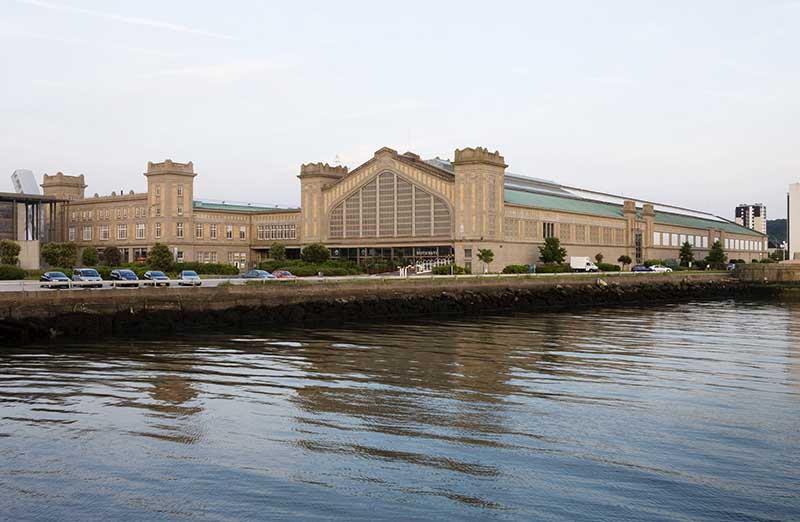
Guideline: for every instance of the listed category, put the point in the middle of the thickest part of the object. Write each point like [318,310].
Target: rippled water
[687,412]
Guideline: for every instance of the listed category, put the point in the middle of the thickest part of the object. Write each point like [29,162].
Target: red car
[284,274]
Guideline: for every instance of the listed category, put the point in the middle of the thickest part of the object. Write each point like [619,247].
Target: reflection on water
[689,412]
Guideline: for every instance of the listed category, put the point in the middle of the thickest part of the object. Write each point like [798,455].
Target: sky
[692,103]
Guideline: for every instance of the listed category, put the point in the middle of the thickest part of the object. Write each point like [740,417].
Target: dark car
[124,278]
[156,278]
[54,280]
[641,268]
[257,274]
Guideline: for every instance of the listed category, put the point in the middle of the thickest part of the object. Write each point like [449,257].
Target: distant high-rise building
[753,217]
[24,182]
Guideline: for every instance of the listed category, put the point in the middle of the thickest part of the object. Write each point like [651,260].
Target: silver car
[88,277]
[189,278]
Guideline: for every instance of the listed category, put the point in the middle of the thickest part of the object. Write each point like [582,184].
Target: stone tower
[313,177]
[170,193]
[64,187]
[479,194]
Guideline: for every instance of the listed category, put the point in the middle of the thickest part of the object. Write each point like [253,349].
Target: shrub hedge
[608,267]
[516,269]
[303,269]
[448,270]
[552,269]
[11,272]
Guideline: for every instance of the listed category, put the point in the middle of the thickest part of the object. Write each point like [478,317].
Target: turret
[479,193]
[170,196]
[313,177]
[62,186]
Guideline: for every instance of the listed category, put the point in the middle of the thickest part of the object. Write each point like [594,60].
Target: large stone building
[396,206]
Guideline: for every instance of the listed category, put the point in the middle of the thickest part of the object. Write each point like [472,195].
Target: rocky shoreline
[94,315]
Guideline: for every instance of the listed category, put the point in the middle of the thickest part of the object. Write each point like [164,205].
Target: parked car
[156,278]
[660,268]
[641,268]
[257,274]
[730,266]
[284,274]
[189,278]
[124,277]
[54,280]
[87,277]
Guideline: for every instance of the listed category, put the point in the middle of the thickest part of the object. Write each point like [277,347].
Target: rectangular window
[180,191]
[140,231]
[122,231]
[72,233]
[242,232]
[124,213]
[691,240]
[212,231]
[674,238]
[179,256]
[656,238]
[180,211]
[705,241]
[104,232]
[228,231]
[158,231]
[198,230]
[548,230]
[87,233]
[158,191]
[179,230]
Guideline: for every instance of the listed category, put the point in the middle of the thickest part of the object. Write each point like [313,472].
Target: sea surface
[687,412]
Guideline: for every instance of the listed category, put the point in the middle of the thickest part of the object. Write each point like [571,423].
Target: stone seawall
[32,316]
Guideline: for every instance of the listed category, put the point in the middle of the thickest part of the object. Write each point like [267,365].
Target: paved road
[31,286]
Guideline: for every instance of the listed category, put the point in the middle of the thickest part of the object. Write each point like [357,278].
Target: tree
[686,254]
[777,255]
[315,253]
[112,256]
[89,256]
[624,260]
[716,256]
[62,255]
[159,257]
[486,255]
[277,251]
[9,252]
[598,257]
[551,251]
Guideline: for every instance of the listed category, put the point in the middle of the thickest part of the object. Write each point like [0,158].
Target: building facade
[753,216]
[395,207]
[167,212]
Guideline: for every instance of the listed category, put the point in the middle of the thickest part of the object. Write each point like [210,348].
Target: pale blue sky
[692,103]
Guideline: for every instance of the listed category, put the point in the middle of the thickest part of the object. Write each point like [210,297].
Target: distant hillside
[776,230]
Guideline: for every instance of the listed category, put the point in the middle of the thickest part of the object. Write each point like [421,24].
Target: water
[686,412]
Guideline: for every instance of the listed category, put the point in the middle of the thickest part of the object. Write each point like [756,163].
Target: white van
[582,264]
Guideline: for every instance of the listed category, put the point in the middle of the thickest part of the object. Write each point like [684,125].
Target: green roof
[207,205]
[551,202]
[600,208]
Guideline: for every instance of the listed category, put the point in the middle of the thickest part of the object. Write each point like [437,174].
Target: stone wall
[32,316]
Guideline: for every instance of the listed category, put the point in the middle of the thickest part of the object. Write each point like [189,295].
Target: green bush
[205,268]
[9,252]
[552,269]
[112,256]
[315,253]
[672,263]
[608,267]
[11,272]
[277,251]
[89,256]
[651,262]
[159,257]
[303,269]
[60,254]
[448,270]
[516,269]
[768,260]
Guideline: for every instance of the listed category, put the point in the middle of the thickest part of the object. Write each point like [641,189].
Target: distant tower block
[64,187]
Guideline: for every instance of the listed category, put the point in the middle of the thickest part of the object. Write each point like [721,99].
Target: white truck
[582,264]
